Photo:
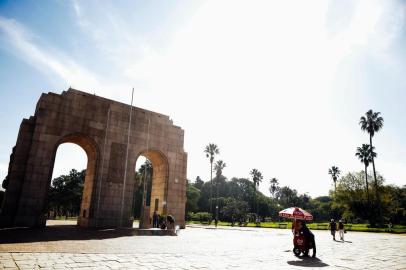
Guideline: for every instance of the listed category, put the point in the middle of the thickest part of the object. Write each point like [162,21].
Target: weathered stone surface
[100,127]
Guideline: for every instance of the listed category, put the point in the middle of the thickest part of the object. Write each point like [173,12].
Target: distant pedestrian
[333,228]
[155,220]
[341,229]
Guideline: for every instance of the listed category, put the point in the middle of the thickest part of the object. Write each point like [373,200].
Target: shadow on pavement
[308,262]
[56,233]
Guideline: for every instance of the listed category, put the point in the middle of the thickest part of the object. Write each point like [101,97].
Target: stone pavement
[67,247]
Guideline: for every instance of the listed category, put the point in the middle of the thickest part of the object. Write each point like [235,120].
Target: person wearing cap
[333,228]
[341,229]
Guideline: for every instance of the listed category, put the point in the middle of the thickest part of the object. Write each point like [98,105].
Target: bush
[189,216]
[201,216]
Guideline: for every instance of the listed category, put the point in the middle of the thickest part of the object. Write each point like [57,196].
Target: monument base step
[153,232]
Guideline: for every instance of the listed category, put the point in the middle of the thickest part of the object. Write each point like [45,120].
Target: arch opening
[71,181]
[150,188]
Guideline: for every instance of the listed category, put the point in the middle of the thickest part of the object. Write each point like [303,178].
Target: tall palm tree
[211,150]
[218,167]
[334,171]
[372,122]
[365,155]
[274,186]
[146,171]
[256,178]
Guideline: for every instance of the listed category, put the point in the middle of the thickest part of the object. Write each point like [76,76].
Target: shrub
[201,216]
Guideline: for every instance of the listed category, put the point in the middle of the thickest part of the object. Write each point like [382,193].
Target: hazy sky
[277,85]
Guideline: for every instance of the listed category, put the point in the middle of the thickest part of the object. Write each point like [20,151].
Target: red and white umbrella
[296,213]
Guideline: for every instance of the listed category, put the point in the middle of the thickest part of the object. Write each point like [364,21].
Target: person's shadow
[308,262]
[341,241]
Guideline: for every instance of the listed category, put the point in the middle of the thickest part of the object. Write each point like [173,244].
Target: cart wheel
[296,251]
[306,253]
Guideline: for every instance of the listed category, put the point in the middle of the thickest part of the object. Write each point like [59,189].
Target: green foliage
[274,187]
[351,198]
[192,198]
[234,210]
[198,183]
[65,193]
[334,172]
[211,150]
[372,122]
[201,217]
[144,174]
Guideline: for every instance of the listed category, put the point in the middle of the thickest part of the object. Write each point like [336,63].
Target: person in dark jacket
[309,236]
[155,220]
[333,228]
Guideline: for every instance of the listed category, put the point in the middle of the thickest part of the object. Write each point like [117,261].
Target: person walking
[333,228]
[341,229]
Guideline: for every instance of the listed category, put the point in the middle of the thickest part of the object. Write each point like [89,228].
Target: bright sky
[277,85]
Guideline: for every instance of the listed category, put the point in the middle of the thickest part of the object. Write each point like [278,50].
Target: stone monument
[100,126]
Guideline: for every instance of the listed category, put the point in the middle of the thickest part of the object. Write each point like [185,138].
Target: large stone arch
[92,152]
[159,190]
[100,127]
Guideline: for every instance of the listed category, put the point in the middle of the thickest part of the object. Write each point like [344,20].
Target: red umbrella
[296,213]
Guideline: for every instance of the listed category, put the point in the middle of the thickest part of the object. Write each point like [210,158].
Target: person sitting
[295,227]
[170,222]
[309,236]
[162,223]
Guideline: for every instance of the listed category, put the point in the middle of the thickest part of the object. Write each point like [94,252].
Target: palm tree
[372,123]
[256,178]
[211,150]
[146,171]
[365,155]
[334,172]
[219,167]
[274,186]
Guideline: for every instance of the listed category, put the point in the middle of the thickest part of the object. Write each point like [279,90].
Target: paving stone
[199,248]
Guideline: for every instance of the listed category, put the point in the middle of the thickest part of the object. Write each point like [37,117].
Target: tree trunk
[366,183]
[335,186]
[378,216]
[211,188]
[257,203]
[217,197]
[254,202]
[373,168]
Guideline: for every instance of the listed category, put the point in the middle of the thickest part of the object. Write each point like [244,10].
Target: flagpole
[126,160]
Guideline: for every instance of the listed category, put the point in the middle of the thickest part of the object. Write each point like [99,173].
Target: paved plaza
[197,247]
